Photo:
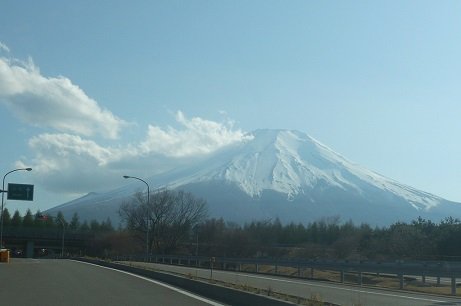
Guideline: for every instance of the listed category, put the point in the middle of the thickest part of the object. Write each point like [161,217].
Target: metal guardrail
[438,269]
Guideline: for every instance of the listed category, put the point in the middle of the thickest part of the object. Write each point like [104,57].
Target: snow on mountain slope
[292,163]
[284,174]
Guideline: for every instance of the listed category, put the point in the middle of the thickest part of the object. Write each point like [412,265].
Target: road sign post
[28,195]
[20,192]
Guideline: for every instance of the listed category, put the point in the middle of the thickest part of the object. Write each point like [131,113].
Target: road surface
[64,282]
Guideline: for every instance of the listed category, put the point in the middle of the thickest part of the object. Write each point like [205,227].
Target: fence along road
[328,292]
[401,269]
[65,282]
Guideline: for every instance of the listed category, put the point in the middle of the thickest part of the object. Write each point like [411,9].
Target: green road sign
[21,192]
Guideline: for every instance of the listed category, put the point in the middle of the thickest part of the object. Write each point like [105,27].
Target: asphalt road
[328,292]
[64,282]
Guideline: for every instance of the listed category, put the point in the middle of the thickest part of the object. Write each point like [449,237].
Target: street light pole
[63,231]
[3,196]
[196,242]
[148,200]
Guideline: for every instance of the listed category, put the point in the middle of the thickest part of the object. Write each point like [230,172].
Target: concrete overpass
[27,242]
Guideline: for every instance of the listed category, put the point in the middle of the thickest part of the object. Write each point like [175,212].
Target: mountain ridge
[287,174]
[245,169]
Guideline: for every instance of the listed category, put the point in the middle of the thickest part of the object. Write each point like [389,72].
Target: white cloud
[52,102]
[199,136]
[65,145]
[4,47]
[71,164]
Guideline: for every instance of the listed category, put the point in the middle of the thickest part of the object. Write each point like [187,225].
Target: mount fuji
[281,174]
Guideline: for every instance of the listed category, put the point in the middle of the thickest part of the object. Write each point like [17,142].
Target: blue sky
[93,90]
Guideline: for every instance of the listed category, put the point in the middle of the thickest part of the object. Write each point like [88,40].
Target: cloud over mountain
[83,148]
[198,136]
[75,164]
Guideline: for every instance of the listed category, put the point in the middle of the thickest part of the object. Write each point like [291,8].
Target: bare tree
[187,212]
[171,215]
[134,213]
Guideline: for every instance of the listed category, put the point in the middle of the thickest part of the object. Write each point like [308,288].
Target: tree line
[331,239]
[40,220]
[177,223]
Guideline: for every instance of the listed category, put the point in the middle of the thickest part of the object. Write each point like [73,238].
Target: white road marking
[197,297]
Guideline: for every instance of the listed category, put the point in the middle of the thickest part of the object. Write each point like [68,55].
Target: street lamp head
[28,169]
[126,176]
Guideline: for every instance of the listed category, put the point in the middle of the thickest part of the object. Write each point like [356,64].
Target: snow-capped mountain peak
[294,164]
[290,175]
